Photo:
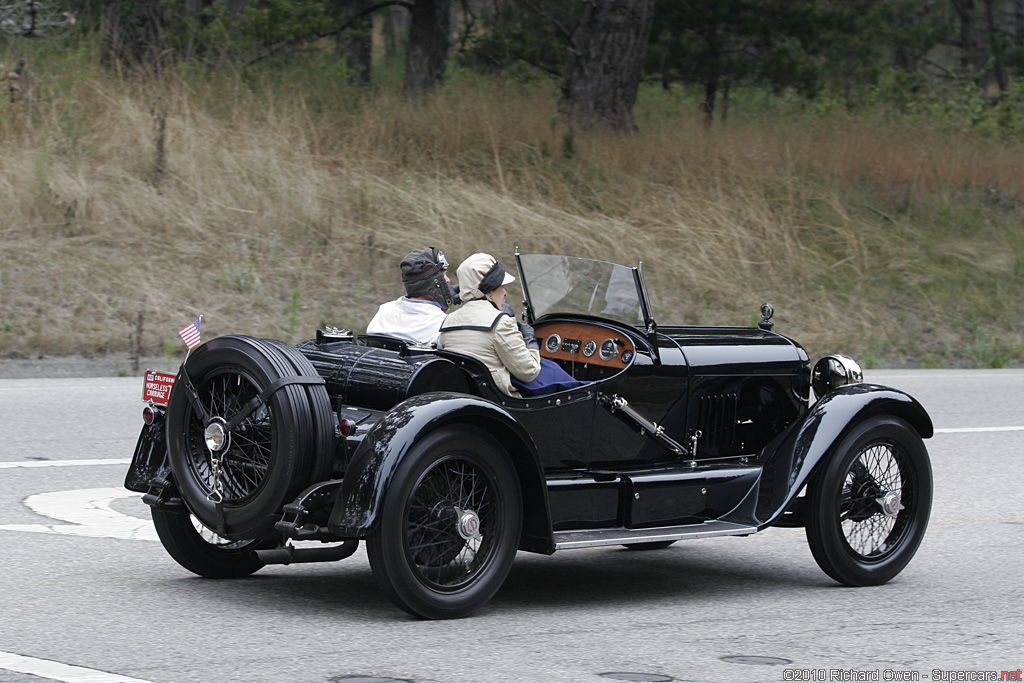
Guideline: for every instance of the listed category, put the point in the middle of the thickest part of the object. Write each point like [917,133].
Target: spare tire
[324,420]
[271,436]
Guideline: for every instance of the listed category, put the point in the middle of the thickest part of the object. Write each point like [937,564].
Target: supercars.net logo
[900,675]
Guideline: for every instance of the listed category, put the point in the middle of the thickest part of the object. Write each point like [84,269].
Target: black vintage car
[266,453]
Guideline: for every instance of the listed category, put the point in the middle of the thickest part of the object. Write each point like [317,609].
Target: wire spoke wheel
[449,526]
[874,481]
[869,505]
[451,523]
[246,458]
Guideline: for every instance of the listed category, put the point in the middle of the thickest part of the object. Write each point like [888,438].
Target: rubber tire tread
[324,422]
[385,547]
[824,533]
[302,474]
[189,549]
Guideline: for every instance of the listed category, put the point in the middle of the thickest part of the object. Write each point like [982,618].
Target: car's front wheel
[868,508]
[201,551]
[449,527]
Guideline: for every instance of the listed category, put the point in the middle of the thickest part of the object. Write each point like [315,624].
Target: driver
[417,316]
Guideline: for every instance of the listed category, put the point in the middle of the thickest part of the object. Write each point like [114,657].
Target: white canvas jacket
[416,320]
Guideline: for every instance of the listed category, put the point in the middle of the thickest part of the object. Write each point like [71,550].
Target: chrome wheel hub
[216,435]
[469,524]
[890,504]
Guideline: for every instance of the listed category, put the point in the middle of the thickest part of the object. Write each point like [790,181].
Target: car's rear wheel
[201,551]
[868,508]
[245,434]
[449,527]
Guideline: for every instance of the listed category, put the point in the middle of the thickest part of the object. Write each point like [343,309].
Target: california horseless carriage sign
[678,432]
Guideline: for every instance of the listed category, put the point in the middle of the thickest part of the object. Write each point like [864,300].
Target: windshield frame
[571,268]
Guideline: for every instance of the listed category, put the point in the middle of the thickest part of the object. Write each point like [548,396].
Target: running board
[604,537]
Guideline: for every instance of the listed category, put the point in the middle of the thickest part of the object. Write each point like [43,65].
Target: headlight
[832,372]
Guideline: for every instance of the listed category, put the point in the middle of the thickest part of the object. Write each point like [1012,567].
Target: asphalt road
[86,595]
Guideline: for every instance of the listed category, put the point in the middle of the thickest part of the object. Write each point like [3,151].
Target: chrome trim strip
[606,537]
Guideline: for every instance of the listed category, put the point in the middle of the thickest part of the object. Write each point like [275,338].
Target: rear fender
[150,459]
[798,451]
[378,455]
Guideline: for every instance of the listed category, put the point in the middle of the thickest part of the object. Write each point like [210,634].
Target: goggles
[439,260]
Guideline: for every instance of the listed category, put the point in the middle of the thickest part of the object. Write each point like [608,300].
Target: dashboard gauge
[609,349]
[553,343]
[627,355]
[590,348]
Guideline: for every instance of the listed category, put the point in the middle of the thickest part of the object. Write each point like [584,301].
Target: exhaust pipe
[290,554]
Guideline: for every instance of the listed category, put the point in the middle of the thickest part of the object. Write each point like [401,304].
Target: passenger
[417,316]
[485,328]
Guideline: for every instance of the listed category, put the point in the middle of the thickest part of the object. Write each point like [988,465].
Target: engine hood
[718,351]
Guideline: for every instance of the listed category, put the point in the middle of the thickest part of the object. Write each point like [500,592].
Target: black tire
[199,549]
[323,416]
[424,554]
[868,509]
[269,457]
[648,545]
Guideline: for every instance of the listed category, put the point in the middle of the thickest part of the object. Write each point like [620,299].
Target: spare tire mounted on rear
[258,412]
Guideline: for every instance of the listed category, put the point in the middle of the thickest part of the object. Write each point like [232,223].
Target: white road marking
[969,430]
[63,463]
[55,671]
[89,514]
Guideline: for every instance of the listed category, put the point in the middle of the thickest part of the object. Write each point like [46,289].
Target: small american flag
[190,333]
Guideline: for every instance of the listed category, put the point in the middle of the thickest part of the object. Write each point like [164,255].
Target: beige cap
[480,274]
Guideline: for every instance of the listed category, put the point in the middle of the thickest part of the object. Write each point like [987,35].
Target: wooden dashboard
[584,343]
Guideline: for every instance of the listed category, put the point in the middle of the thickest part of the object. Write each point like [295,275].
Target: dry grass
[272,216]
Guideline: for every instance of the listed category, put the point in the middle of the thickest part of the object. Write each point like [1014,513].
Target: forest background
[266,164]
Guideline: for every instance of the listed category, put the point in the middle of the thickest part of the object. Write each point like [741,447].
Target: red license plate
[157,387]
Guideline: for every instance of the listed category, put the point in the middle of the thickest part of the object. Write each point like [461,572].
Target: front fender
[378,455]
[794,456]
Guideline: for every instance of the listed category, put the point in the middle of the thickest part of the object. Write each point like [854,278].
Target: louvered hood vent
[717,420]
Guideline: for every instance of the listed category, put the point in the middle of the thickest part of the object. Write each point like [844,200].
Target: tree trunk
[996,43]
[604,63]
[133,35]
[236,6]
[189,44]
[429,40]
[357,44]
[710,95]
[390,28]
[726,90]
[712,73]
[972,60]
[905,57]
[1018,22]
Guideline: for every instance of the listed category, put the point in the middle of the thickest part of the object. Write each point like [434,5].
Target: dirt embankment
[107,366]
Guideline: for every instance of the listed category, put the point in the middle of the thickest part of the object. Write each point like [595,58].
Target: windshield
[566,284]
